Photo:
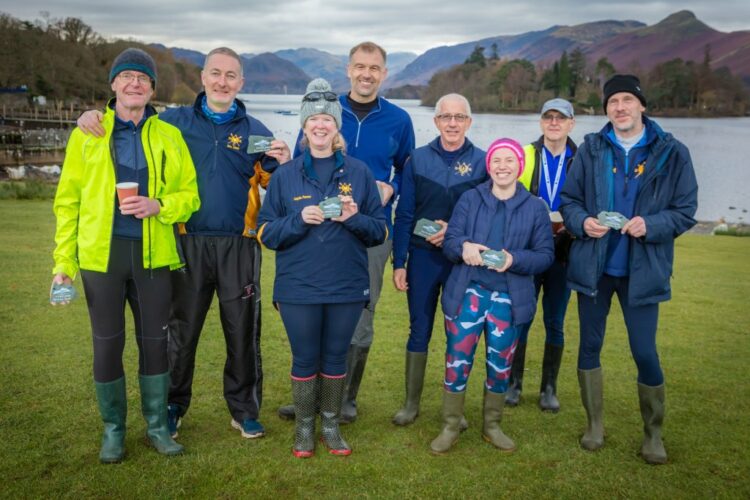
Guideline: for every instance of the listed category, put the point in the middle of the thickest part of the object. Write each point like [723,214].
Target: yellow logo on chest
[345,188]
[463,169]
[234,141]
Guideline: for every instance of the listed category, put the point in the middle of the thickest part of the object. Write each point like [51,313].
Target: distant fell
[267,73]
[680,35]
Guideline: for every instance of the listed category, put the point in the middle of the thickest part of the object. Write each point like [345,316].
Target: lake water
[719,146]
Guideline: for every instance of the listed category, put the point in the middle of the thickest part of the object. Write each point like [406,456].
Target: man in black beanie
[630,192]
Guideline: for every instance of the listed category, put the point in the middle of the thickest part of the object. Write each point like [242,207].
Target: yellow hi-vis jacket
[85,200]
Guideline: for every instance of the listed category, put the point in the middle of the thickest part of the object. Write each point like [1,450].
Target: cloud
[336,25]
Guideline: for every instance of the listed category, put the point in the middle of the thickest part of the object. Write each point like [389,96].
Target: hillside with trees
[675,87]
[66,61]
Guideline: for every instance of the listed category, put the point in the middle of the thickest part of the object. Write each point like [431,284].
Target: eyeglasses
[447,118]
[555,118]
[317,96]
[129,77]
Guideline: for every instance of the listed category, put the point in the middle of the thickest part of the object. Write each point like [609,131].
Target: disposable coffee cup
[126,190]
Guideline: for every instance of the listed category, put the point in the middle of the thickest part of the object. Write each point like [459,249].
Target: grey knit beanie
[319,99]
[134,60]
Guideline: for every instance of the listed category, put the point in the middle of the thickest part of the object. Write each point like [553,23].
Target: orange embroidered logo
[234,141]
[639,169]
[345,188]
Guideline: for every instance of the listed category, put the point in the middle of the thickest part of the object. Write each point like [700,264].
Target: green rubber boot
[113,407]
[453,410]
[331,392]
[592,397]
[651,399]
[415,366]
[493,415]
[304,393]
[154,390]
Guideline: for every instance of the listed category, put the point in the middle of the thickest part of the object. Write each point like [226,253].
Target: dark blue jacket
[527,238]
[383,140]
[430,189]
[326,263]
[228,177]
[667,200]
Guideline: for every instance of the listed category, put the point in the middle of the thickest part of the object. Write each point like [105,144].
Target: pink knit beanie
[513,146]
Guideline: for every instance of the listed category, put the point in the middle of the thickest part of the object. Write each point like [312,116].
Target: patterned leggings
[481,310]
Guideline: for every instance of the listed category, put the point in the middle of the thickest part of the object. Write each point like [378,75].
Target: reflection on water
[719,146]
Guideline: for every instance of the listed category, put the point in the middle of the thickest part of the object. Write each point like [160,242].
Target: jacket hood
[489,199]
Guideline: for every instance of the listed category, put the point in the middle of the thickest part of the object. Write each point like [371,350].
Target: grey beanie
[134,60]
[320,105]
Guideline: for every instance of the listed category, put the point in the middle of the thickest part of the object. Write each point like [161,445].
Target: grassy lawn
[50,429]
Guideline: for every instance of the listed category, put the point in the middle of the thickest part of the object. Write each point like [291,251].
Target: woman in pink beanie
[493,292]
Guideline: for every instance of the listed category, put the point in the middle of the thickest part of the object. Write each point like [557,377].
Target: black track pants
[230,267]
[147,291]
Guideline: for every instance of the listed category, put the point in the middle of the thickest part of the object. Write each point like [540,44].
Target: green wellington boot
[305,395]
[331,393]
[113,407]
[415,366]
[493,415]
[355,364]
[651,399]
[550,368]
[592,397]
[154,406]
[453,410]
[515,383]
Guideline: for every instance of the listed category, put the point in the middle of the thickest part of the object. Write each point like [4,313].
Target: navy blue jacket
[228,177]
[667,200]
[527,238]
[430,189]
[326,263]
[383,140]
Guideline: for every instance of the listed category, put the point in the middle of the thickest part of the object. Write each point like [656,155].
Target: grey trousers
[377,258]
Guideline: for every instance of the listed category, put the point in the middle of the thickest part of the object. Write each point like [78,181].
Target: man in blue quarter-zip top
[435,177]
[219,241]
[380,134]
[630,192]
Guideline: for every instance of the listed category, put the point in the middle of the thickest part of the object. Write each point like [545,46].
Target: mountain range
[628,45]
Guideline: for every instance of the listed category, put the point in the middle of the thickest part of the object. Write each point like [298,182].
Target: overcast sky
[335,25]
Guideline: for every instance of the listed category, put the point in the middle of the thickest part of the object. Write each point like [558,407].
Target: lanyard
[552,188]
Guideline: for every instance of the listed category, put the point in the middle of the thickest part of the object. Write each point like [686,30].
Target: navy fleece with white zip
[430,188]
[326,263]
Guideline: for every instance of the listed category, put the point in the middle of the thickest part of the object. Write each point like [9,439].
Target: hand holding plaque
[426,228]
[613,220]
[331,207]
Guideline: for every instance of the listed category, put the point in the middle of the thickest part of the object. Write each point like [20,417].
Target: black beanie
[135,60]
[623,83]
